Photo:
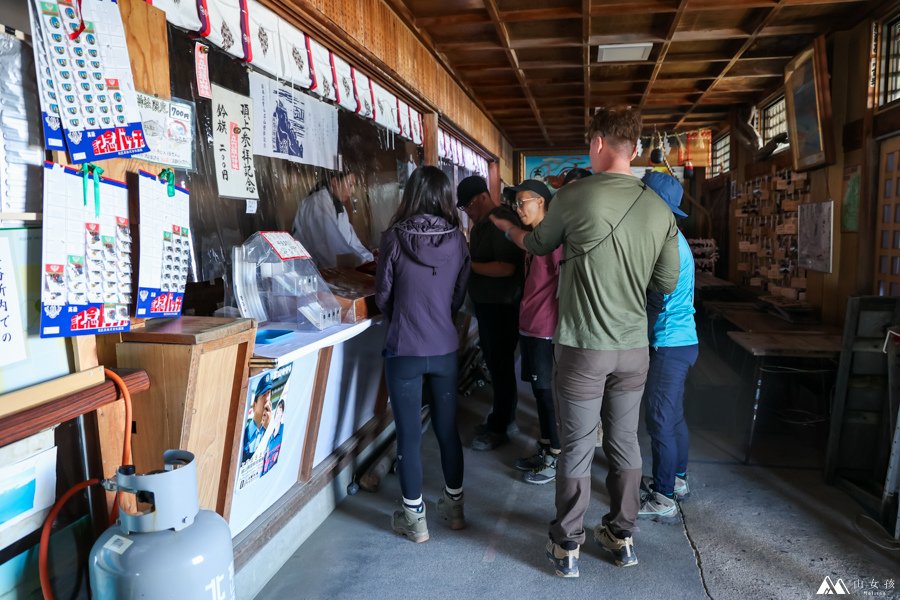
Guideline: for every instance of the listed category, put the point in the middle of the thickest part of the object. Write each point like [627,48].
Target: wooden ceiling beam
[767,21]
[664,50]
[503,34]
[605,9]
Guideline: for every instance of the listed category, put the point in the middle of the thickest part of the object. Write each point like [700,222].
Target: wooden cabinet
[198,366]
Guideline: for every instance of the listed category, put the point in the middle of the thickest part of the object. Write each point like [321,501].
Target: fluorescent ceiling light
[623,52]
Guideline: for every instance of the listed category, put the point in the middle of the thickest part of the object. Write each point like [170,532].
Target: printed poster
[293,125]
[86,254]
[168,130]
[12,327]
[232,121]
[88,101]
[272,438]
[165,250]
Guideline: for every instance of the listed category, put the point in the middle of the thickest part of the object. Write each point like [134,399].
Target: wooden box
[354,291]
[198,366]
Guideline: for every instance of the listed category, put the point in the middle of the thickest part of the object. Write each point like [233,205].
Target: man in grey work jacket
[620,239]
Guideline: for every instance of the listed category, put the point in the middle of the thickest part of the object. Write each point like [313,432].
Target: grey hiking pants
[588,384]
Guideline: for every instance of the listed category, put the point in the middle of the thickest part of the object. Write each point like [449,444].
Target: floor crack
[697,557]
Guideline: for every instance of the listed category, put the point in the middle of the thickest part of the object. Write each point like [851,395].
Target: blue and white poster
[293,125]
[88,101]
[165,250]
[85,254]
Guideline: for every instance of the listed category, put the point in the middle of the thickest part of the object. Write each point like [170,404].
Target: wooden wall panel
[370,29]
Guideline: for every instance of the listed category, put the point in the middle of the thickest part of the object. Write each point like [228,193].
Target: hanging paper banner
[344,78]
[180,13]
[86,83]
[86,254]
[264,42]
[385,108]
[293,125]
[415,120]
[323,72]
[232,122]
[224,28]
[403,119]
[169,130]
[365,99]
[165,250]
[295,56]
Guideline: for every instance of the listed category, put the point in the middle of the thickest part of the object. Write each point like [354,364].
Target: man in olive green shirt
[620,239]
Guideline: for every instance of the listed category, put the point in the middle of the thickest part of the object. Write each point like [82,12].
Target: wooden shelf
[34,420]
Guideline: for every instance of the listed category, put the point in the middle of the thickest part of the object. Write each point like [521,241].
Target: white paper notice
[284,245]
[12,330]
[232,139]
[251,206]
[169,131]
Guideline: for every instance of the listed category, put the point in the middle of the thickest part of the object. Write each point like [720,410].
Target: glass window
[721,155]
[891,64]
[774,121]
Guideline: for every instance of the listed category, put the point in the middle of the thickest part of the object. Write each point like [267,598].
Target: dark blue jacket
[423,269]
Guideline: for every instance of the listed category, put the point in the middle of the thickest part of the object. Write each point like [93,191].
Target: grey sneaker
[452,511]
[410,525]
[488,440]
[682,489]
[565,561]
[535,461]
[621,549]
[658,507]
[545,473]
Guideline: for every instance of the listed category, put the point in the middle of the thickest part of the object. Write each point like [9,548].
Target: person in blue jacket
[673,351]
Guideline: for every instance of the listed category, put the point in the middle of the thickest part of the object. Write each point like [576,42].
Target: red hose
[54,512]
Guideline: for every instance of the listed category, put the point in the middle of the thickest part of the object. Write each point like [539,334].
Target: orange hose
[54,512]
[45,534]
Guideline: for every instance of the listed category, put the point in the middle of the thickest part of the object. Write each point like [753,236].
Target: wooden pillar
[430,136]
[494,179]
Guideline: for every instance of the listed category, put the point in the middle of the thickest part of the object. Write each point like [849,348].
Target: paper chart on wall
[293,125]
[86,254]
[169,131]
[233,144]
[88,100]
[165,255]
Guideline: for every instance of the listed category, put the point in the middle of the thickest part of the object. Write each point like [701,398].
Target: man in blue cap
[673,350]
[262,414]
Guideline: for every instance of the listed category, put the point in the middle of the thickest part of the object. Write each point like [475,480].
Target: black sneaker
[564,560]
[535,461]
[621,549]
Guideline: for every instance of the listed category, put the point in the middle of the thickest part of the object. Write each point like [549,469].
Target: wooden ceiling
[532,64]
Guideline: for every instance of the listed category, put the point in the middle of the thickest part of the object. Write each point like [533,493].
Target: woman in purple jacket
[423,269]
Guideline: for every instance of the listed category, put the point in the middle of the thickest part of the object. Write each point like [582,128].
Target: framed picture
[807,95]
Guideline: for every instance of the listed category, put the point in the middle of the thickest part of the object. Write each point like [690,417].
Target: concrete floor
[769,530]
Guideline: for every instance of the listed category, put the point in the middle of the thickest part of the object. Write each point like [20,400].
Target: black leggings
[404,375]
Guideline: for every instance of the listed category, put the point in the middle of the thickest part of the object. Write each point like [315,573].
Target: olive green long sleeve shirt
[620,239]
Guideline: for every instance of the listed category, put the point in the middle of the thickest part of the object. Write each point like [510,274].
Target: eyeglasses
[521,203]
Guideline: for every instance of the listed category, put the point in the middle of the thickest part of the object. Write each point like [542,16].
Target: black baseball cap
[468,188]
[533,185]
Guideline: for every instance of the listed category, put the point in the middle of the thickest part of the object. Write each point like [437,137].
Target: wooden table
[754,321]
[779,345]
[708,281]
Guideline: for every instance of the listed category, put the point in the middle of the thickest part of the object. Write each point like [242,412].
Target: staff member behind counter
[323,226]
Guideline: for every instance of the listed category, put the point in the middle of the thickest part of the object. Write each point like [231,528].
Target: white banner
[233,144]
[265,45]
[293,125]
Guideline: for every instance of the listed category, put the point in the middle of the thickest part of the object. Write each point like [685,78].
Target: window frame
[883,58]
[724,135]
[765,105]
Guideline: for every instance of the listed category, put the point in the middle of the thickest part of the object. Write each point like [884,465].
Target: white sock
[414,505]
[455,493]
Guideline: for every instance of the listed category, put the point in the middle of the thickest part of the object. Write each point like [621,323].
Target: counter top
[299,343]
